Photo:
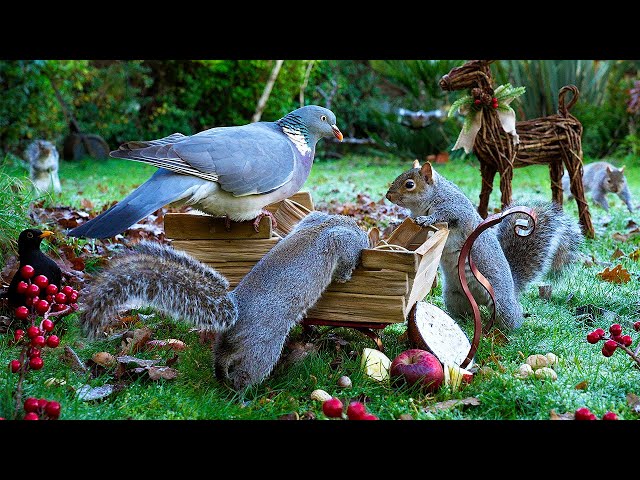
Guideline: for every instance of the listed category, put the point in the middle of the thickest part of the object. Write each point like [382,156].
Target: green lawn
[550,326]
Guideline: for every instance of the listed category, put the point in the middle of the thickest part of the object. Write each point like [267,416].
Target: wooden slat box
[382,290]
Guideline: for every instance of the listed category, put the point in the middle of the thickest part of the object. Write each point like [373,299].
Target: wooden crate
[382,290]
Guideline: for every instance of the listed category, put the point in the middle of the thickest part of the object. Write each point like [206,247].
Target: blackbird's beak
[46,233]
[337,132]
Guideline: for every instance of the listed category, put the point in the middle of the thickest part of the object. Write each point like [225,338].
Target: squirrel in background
[254,318]
[508,261]
[43,159]
[601,178]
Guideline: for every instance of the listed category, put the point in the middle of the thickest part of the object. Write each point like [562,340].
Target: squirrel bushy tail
[157,275]
[553,244]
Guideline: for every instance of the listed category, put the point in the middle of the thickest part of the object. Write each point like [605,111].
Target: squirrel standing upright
[253,319]
[601,178]
[508,261]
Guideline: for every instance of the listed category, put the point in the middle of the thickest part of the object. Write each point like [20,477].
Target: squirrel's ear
[416,163]
[622,169]
[427,172]
[608,169]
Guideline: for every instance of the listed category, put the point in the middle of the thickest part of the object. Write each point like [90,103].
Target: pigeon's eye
[29,235]
[409,184]
[323,118]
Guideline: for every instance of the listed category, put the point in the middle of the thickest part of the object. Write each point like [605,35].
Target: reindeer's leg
[506,176]
[488,173]
[556,170]
[573,163]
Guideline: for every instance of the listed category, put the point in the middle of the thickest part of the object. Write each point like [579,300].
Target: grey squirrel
[601,178]
[508,261]
[254,319]
[43,159]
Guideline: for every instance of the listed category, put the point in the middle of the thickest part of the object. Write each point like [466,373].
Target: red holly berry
[616,338]
[47,325]
[607,353]
[31,416]
[34,352]
[610,345]
[356,410]
[593,337]
[18,334]
[33,290]
[582,413]
[73,297]
[28,301]
[74,306]
[41,280]
[52,289]
[52,409]
[53,341]
[626,340]
[67,290]
[36,363]
[27,271]
[38,341]
[33,331]
[14,365]
[494,100]
[31,404]
[636,326]
[60,298]
[22,286]
[50,298]
[477,101]
[615,329]
[610,416]
[369,416]
[42,306]
[58,307]
[332,407]
[42,403]
[600,332]
[22,312]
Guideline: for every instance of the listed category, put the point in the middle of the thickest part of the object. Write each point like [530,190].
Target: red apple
[418,366]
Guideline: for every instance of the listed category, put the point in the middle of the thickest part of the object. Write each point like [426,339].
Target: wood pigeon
[224,171]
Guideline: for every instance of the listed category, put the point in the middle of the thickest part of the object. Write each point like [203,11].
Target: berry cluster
[614,340]
[494,102]
[33,342]
[585,414]
[334,408]
[43,297]
[41,409]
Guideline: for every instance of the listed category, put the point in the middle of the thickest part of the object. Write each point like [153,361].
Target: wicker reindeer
[501,145]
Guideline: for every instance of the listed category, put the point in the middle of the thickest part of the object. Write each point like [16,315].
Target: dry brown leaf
[132,344]
[448,404]
[634,402]
[289,416]
[582,385]
[631,225]
[87,204]
[169,344]
[138,362]
[617,254]
[165,373]
[617,274]
[70,357]
[623,237]
[553,415]
[635,255]
[498,337]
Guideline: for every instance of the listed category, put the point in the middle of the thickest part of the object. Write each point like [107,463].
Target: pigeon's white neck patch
[298,139]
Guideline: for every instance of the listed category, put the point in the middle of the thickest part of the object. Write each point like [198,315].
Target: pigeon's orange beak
[46,233]
[337,132]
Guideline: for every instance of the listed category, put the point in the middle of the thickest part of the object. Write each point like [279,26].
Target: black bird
[29,253]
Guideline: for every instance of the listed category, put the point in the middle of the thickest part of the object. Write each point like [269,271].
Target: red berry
[57,307]
[31,404]
[67,290]
[34,352]
[53,341]
[38,341]
[74,306]
[582,413]
[27,271]
[33,290]
[33,331]
[47,325]
[50,298]
[610,416]
[615,329]
[356,410]
[41,280]
[61,298]
[14,365]
[22,312]
[31,416]
[607,353]
[626,340]
[369,416]
[616,338]
[593,337]
[636,326]
[36,363]
[73,297]
[18,334]
[22,286]
[600,332]
[28,301]
[332,407]
[610,345]
[42,403]
[494,100]
[42,306]
[52,409]
[52,289]
[477,101]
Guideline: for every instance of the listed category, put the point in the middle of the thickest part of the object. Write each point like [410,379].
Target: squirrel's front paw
[423,221]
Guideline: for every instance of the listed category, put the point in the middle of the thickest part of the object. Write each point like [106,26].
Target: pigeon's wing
[162,188]
[250,159]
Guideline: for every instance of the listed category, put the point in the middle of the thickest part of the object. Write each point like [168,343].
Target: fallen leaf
[624,237]
[289,416]
[561,416]
[133,343]
[631,225]
[308,415]
[617,254]
[448,404]
[497,337]
[169,344]
[635,255]
[87,393]
[405,416]
[164,373]
[618,274]
[588,309]
[582,385]
[139,362]
[71,358]
[634,402]
[87,204]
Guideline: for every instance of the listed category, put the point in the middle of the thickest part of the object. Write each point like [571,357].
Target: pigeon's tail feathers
[169,140]
[161,189]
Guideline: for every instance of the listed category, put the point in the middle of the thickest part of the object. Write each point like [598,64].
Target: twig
[23,369]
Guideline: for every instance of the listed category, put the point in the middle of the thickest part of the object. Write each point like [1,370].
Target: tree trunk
[267,91]
[305,82]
